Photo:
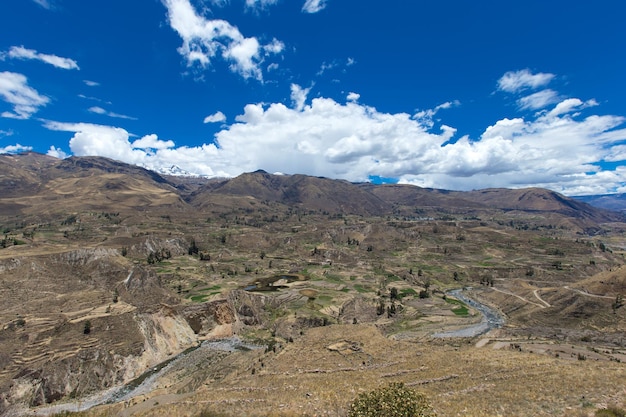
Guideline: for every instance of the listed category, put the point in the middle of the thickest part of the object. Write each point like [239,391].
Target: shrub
[394,400]
[610,412]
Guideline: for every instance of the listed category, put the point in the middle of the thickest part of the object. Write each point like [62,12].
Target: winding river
[140,385]
[491,319]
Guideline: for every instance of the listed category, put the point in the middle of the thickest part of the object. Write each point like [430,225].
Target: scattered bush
[211,413]
[611,412]
[394,400]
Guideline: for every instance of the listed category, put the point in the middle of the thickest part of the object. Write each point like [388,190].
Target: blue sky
[448,94]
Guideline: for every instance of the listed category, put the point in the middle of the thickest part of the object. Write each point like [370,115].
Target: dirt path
[581,292]
[522,298]
[536,292]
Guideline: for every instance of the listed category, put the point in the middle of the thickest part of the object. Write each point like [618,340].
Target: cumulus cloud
[216,117]
[516,81]
[25,100]
[559,147]
[313,6]
[152,141]
[557,150]
[17,148]
[56,152]
[205,39]
[100,110]
[298,96]
[353,96]
[150,152]
[19,52]
[274,47]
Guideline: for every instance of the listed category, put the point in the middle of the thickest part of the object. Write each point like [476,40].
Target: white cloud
[325,67]
[204,40]
[558,148]
[515,81]
[43,3]
[571,104]
[113,142]
[353,97]
[94,99]
[216,117]
[5,133]
[260,4]
[313,6]
[298,96]
[19,52]
[17,148]
[152,142]
[274,47]
[25,100]
[425,117]
[56,152]
[100,110]
[538,100]
[90,83]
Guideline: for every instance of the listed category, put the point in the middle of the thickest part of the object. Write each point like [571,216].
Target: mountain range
[110,273]
[35,183]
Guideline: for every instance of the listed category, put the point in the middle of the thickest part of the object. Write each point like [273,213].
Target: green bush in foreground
[611,412]
[394,400]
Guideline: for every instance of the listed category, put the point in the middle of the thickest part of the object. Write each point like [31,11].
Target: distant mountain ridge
[615,202]
[33,183]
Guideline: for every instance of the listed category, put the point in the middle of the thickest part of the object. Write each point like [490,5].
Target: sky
[447,94]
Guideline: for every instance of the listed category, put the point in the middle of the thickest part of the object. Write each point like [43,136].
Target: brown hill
[35,183]
[557,209]
[409,196]
[22,174]
[38,184]
[108,270]
[300,191]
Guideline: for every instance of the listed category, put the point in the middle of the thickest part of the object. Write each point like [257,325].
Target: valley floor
[320,373]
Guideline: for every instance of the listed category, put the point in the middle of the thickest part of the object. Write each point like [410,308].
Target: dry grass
[308,379]
[248,239]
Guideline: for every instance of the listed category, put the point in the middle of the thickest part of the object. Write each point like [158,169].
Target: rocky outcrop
[211,319]
[249,307]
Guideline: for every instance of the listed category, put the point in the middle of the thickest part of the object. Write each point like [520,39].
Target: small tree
[394,400]
[619,302]
[87,327]
[393,293]
[193,248]
[380,308]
